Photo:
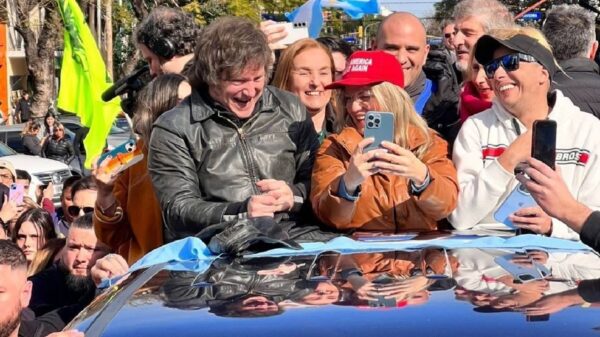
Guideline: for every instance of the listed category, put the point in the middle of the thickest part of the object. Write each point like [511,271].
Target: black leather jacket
[61,150]
[205,162]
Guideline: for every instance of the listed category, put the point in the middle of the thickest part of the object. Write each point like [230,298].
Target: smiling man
[236,148]
[472,19]
[519,66]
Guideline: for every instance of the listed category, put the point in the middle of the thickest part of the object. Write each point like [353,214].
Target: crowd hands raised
[222,147]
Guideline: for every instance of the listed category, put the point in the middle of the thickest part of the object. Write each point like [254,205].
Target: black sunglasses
[509,62]
[75,210]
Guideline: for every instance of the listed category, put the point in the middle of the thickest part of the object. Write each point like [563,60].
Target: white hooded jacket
[485,184]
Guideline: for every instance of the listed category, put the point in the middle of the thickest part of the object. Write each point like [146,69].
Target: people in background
[32,230]
[477,94]
[23,109]
[31,141]
[408,184]
[340,51]
[68,281]
[571,31]
[58,146]
[49,121]
[305,68]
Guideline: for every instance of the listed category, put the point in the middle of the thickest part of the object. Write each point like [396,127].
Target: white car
[42,170]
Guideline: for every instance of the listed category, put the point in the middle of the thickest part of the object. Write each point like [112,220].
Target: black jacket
[441,110]
[205,162]
[32,145]
[50,292]
[583,86]
[590,232]
[61,150]
[24,109]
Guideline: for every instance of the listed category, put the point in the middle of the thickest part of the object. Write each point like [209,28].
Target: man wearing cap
[519,66]
[407,183]
[403,35]
[7,173]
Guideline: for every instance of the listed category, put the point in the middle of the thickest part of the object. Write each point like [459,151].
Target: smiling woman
[305,68]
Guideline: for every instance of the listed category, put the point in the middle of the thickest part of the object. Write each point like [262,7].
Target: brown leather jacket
[385,203]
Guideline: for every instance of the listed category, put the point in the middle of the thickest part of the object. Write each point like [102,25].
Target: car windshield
[5,150]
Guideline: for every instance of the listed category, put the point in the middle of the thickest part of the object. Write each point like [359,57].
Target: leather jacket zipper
[249,161]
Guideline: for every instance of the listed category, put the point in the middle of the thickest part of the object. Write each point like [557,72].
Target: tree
[40,41]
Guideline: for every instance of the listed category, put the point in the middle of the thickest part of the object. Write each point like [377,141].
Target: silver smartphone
[380,126]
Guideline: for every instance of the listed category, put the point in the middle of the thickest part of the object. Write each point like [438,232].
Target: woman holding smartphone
[407,184]
[127,214]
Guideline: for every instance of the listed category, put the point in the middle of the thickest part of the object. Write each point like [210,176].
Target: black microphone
[122,85]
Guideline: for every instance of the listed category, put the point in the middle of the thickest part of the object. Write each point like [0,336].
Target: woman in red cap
[407,185]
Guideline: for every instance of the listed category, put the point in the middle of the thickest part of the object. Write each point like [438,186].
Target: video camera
[128,86]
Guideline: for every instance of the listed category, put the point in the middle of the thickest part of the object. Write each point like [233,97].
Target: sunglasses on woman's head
[75,211]
[509,62]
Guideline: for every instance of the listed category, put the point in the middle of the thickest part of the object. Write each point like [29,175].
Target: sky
[420,8]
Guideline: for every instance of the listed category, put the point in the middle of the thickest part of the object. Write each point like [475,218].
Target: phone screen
[544,142]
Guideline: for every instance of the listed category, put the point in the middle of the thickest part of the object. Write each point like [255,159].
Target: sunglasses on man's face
[448,35]
[75,211]
[509,62]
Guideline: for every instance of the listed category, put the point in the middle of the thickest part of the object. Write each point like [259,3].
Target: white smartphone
[295,31]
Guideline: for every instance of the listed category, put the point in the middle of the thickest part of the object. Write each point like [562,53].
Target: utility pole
[99,23]
[108,37]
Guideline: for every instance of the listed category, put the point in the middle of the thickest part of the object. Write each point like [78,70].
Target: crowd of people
[226,145]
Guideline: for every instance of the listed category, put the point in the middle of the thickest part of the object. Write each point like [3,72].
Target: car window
[5,150]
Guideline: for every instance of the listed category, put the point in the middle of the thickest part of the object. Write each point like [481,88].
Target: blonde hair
[45,256]
[394,99]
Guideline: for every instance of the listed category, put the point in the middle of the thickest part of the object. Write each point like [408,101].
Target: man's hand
[274,32]
[9,210]
[108,267]
[533,219]
[551,193]
[262,205]
[48,192]
[518,151]
[280,191]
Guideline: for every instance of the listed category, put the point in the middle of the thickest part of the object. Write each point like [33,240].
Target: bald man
[404,36]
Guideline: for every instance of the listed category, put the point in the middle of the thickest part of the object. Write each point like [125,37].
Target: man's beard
[8,326]
[78,284]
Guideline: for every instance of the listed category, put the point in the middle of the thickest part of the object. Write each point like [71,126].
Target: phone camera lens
[371,117]
[377,120]
[370,124]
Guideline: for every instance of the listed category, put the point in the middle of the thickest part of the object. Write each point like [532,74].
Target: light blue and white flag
[312,14]
[355,9]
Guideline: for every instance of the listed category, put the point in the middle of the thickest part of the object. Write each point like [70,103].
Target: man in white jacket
[519,66]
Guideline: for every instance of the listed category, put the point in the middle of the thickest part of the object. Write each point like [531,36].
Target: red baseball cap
[369,68]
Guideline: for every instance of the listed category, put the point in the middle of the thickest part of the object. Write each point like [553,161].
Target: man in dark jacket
[436,99]
[571,31]
[235,148]
[68,282]
[23,109]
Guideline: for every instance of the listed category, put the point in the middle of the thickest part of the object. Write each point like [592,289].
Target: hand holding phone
[295,31]
[16,193]
[121,158]
[543,145]
[517,199]
[380,127]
